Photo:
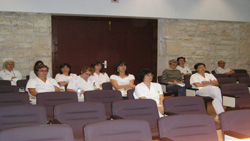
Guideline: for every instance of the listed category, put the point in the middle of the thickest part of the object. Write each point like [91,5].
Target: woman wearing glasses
[8,73]
[83,83]
[41,83]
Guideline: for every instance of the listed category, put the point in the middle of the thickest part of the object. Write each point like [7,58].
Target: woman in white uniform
[41,83]
[32,73]
[148,89]
[99,76]
[83,83]
[122,80]
[8,73]
[207,85]
[64,75]
[183,69]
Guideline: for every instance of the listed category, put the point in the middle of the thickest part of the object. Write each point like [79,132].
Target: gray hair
[6,62]
[172,61]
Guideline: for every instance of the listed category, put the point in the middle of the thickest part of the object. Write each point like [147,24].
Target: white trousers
[215,93]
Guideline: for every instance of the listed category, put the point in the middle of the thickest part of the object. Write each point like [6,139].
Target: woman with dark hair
[64,75]
[148,89]
[41,83]
[122,80]
[83,83]
[99,76]
[32,73]
[183,69]
[207,85]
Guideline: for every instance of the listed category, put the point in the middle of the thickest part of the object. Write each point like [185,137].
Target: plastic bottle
[79,91]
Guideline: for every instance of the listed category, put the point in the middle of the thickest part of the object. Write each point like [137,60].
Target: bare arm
[161,99]
[205,83]
[117,87]
[33,91]
[63,83]
[57,89]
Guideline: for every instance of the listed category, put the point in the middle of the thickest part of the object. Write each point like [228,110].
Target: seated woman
[173,78]
[207,85]
[148,89]
[32,73]
[99,76]
[122,80]
[83,83]
[41,83]
[183,69]
[64,75]
[8,73]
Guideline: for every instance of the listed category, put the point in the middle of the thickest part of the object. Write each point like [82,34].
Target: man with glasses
[221,69]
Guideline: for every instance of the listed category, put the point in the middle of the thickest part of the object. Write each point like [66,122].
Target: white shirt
[122,81]
[6,75]
[101,78]
[63,78]
[197,78]
[220,70]
[79,83]
[40,86]
[33,75]
[184,70]
[141,90]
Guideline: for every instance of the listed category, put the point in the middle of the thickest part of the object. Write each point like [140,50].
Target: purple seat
[239,73]
[138,109]
[130,94]
[107,86]
[38,133]
[76,115]
[8,99]
[245,80]
[184,105]
[21,115]
[5,83]
[194,127]
[9,89]
[22,84]
[50,99]
[118,130]
[238,91]
[236,121]
[104,96]
[226,81]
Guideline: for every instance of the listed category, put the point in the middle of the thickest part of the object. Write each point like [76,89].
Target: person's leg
[181,90]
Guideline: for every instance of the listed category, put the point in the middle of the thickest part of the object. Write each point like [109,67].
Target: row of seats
[90,118]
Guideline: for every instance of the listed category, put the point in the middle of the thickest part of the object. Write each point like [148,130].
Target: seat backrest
[107,86]
[159,79]
[50,99]
[5,83]
[138,109]
[104,96]
[184,105]
[236,120]
[226,81]
[239,75]
[220,76]
[187,81]
[240,71]
[22,115]
[78,114]
[245,80]
[130,94]
[55,132]
[22,83]
[9,89]
[118,130]
[234,89]
[194,127]
[8,99]
[213,72]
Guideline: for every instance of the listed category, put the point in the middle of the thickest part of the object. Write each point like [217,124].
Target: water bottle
[78,91]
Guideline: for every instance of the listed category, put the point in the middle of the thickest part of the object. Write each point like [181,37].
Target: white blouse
[141,90]
[122,81]
[101,78]
[184,70]
[79,83]
[41,86]
[63,78]
[6,75]
[197,78]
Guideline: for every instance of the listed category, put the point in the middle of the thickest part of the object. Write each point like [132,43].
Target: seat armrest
[165,139]
[236,134]
[55,121]
[229,95]
[170,113]
[116,117]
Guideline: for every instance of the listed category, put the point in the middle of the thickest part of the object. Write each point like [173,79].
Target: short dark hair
[141,74]
[62,66]
[181,58]
[39,67]
[198,64]
[37,63]
[117,65]
[97,63]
